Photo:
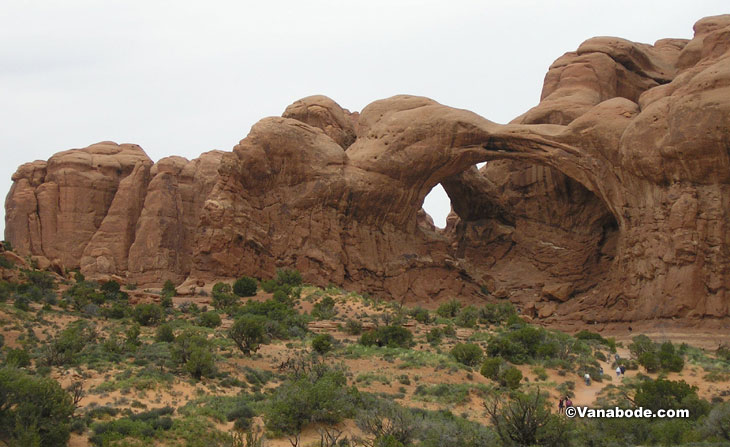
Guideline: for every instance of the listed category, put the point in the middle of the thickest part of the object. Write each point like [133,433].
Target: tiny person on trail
[587,378]
[561,405]
[568,402]
[618,371]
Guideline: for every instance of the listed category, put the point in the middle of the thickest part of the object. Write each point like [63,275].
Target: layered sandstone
[607,201]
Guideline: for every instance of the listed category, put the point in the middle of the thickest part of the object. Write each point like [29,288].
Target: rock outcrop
[608,201]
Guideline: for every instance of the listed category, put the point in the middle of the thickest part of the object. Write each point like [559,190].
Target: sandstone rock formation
[608,201]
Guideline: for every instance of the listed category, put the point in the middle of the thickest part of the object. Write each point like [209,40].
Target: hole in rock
[438,205]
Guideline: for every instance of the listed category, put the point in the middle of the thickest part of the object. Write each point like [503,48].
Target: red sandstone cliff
[607,201]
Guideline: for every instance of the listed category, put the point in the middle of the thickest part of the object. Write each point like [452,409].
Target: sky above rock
[181,77]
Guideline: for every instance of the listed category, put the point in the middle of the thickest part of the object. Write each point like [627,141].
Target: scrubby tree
[323,343]
[468,354]
[223,297]
[245,286]
[148,314]
[449,309]
[248,333]
[34,411]
[525,420]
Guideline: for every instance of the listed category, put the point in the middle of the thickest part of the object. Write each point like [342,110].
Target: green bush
[269,285]
[6,263]
[321,398]
[248,333]
[168,289]
[666,394]
[7,246]
[201,363]
[223,298]
[324,309]
[491,367]
[209,319]
[148,314]
[434,336]
[391,336]
[467,317]
[650,361]
[468,354]
[323,343]
[510,378]
[34,411]
[288,277]
[449,309]
[18,358]
[62,349]
[245,286]
[420,314]
[164,333]
[353,327]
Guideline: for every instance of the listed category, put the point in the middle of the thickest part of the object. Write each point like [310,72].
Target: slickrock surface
[608,201]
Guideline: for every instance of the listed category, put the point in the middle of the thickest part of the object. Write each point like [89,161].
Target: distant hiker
[561,405]
[618,371]
[568,402]
[600,371]
[587,378]
[623,369]
[617,357]
[630,329]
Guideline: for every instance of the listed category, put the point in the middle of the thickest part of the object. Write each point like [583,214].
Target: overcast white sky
[181,77]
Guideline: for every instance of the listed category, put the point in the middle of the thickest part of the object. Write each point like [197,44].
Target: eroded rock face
[607,201]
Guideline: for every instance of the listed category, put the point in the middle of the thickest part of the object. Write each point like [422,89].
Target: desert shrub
[641,344]
[523,343]
[510,377]
[201,362]
[526,420]
[242,416]
[21,303]
[449,309]
[353,327]
[164,333]
[391,336]
[245,286]
[82,294]
[209,319]
[185,343]
[223,297]
[61,349]
[281,319]
[669,359]
[650,361]
[654,357]
[111,288]
[168,289]
[666,394]
[288,277]
[34,411]
[148,314]
[718,422]
[18,358]
[467,317]
[323,343]
[248,333]
[6,263]
[6,290]
[144,426]
[320,397]
[324,309]
[7,245]
[491,367]
[269,285]
[434,336]
[420,314]
[468,354]
[79,277]
[117,311]
[42,280]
